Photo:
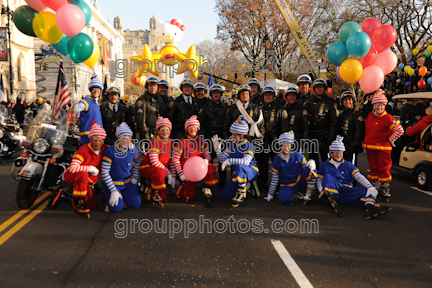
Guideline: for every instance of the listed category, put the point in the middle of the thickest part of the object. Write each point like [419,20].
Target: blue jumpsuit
[90,114]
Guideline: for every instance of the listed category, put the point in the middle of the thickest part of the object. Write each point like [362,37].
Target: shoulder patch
[139,103]
[360,118]
[171,104]
[305,112]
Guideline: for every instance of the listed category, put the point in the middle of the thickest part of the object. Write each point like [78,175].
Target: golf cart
[409,158]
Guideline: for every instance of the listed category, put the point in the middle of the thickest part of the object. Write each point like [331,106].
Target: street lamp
[6,11]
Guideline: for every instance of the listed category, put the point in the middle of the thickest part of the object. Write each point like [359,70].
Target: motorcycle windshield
[45,126]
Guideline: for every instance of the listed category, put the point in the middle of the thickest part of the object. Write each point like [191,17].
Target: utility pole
[6,11]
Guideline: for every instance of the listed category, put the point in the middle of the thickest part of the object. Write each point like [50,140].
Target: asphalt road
[58,248]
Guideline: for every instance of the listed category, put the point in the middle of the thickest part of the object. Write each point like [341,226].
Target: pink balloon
[370,25]
[195,169]
[53,4]
[387,61]
[371,79]
[340,78]
[370,58]
[36,5]
[384,37]
[70,19]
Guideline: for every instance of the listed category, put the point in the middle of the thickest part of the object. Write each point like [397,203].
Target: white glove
[216,142]
[224,164]
[93,171]
[114,198]
[134,181]
[372,191]
[320,188]
[182,177]
[269,197]
[311,164]
[171,181]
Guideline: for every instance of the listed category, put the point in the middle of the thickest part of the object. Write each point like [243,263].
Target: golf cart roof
[418,95]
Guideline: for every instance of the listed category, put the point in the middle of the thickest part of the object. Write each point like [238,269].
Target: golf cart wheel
[423,178]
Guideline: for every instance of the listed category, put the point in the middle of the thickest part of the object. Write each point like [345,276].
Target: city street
[57,248]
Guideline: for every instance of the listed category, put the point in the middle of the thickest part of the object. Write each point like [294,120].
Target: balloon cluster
[367,43]
[409,69]
[61,29]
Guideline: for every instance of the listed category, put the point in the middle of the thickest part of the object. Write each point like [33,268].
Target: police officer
[273,114]
[304,82]
[182,108]
[211,118]
[113,114]
[256,97]
[252,111]
[351,127]
[199,92]
[296,117]
[147,110]
[323,119]
[163,95]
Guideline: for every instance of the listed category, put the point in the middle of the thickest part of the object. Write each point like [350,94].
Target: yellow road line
[22,212]
[23,222]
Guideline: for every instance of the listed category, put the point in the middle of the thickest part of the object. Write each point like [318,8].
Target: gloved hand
[182,177]
[311,164]
[93,171]
[171,181]
[216,143]
[224,164]
[114,198]
[372,191]
[134,181]
[269,197]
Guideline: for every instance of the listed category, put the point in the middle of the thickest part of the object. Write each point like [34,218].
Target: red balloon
[370,58]
[54,4]
[421,84]
[384,37]
[370,25]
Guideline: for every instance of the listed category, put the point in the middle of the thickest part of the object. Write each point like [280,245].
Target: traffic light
[246,74]
[43,66]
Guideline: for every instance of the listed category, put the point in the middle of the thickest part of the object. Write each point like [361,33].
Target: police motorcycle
[11,135]
[45,157]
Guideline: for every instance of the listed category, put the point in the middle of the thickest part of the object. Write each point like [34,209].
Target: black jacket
[179,111]
[302,99]
[296,118]
[111,120]
[211,117]
[233,113]
[165,101]
[258,100]
[352,128]
[273,114]
[146,114]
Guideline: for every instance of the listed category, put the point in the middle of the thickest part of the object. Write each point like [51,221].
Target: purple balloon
[340,78]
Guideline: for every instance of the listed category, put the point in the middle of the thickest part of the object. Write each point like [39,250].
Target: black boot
[79,207]
[331,200]
[370,211]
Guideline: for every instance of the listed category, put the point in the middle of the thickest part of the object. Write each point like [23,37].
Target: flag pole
[56,89]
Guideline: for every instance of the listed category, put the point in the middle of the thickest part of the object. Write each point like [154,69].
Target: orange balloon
[422,70]
[135,80]
[141,81]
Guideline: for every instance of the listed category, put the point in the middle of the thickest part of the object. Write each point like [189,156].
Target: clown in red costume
[189,146]
[83,171]
[382,130]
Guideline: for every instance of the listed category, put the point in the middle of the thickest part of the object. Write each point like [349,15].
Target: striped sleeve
[207,155]
[81,106]
[397,132]
[176,162]
[361,179]
[154,160]
[106,177]
[274,182]
[136,163]
[247,158]
[222,156]
[76,166]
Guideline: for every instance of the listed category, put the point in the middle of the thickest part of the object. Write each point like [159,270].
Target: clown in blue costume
[240,155]
[120,165]
[291,170]
[335,184]
[89,109]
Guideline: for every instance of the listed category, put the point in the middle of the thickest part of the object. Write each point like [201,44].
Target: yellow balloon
[415,51]
[45,27]
[94,57]
[411,72]
[351,70]
[407,68]
[429,48]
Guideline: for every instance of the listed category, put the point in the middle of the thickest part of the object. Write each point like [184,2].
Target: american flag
[62,92]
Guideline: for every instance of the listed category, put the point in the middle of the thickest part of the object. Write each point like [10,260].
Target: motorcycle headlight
[40,146]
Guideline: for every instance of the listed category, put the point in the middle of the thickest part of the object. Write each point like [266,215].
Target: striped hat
[96,131]
[163,122]
[379,97]
[123,130]
[95,83]
[337,145]
[287,137]
[239,126]
[192,121]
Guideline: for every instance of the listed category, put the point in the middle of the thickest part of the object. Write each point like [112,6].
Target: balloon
[23,19]
[422,70]
[36,5]
[351,70]
[421,84]
[427,53]
[195,169]
[408,84]
[70,19]
[384,37]
[80,47]
[141,81]
[411,72]
[45,27]
[61,46]
[409,54]
[415,51]
[54,4]
[407,68]
[401,66]
[370,25]
[347,29]
[94,57]
[358,45]
[429,81]
[411,64]
[134,79]
[337,72]
[84,8]
[337,53]
[370,57]
[387,61]
[429,48]
[371,79]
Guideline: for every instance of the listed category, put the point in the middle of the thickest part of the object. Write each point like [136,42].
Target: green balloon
[23,19]
[80,47]
[427,53]
[347,30]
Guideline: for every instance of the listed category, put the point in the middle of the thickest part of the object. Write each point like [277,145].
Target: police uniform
[211,117]
[303,98]
[146,114]
[352,128]
[253,110]
[296,118]
[164,101]
[179,112]
[257,99]
[111,119]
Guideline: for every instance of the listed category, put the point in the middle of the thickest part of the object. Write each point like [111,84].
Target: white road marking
[292,266]
[425,192]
